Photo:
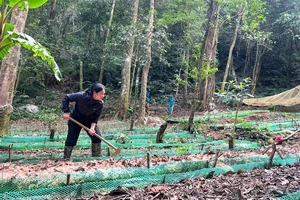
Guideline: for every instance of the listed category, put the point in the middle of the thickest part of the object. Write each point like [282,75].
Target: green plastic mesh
[271,126]
[47,187]
[137,152]
[135,140]
[86,183]
[222,115]
[292,196]
[83,137]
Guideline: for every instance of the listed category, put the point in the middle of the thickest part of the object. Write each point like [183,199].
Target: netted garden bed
[35,169]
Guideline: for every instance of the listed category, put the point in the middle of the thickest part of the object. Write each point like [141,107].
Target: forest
[255,39]
[210,55]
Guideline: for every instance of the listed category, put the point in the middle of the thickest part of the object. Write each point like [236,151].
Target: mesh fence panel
[292,196]
[137,150]
[106,180]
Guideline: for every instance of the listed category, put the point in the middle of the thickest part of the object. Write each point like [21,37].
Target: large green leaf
[38,49]
[7,41]
[32,3]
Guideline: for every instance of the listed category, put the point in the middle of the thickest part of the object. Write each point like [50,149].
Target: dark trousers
[74,131]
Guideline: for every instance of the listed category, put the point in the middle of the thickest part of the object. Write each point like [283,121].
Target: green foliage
[6,42]
[235,93]
[183,149]
[255,15]
[32,3]
[244,126]
[22,99]
[49,116]
[21,114]
[290,19]
[122,138]
[207,70]
[178,140]
[39,50]
[196,129]
[8,38]
[250,131]
[75,35]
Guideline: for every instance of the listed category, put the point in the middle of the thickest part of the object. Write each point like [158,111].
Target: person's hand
[92,131]
[66,116]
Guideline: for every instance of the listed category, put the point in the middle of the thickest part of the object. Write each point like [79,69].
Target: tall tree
[261,48]
[146,68]
[186,75]
[125,87]
[249,45]
[9,72]
[106,41]
[12,34]
[253,20]
[229,59]
[52,10]
[205,83]
[186,17]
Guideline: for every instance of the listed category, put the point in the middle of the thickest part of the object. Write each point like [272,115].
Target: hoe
[117,150]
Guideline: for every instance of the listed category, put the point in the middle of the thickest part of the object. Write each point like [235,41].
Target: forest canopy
[75,32]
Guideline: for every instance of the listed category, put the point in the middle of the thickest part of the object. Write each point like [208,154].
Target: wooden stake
[100,149]
[52,132]
[148,159]
[231,143]
[160,133]
[68,179]
[272,154]
[10,152]
[216,158]
[207,163]
[164,180]
[202,146]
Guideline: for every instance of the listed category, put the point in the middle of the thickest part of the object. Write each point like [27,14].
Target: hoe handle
[98,136]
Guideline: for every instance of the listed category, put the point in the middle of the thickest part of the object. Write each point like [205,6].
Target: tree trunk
[209,55]
[134,70]
[160,133]
[206,82]
[106,41]
[81,75]
[147,66]
[177,83]
[233,71]
[238,21]
[8,72]
[186,74]
[125,88]
[52,10]
[260,50]
[135,98]
[248,56]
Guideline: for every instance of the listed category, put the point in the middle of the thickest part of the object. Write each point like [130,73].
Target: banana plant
[9,38]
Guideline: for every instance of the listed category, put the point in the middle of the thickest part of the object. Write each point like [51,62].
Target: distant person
[171,101]
[148,99]
[87,110]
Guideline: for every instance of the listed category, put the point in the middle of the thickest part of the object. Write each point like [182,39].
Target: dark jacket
[85,109]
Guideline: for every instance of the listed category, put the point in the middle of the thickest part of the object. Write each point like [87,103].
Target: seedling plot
[37,171]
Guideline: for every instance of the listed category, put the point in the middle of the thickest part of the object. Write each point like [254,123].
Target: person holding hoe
[87,110]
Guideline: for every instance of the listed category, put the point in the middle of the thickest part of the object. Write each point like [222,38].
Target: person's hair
[96,87]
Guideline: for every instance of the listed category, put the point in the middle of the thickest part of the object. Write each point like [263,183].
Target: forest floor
[269,183]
